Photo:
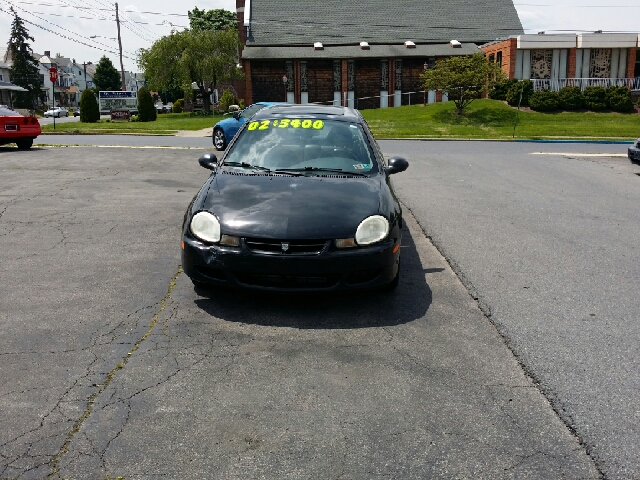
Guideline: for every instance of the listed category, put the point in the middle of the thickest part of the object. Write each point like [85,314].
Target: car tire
[24,143]
[218,139]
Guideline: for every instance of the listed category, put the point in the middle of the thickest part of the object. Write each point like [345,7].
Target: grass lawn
[489,119]
[167,123]
[495,120]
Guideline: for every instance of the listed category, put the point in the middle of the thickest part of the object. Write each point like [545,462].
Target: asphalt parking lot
[113,364]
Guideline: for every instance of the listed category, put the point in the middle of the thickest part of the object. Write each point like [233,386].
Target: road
[549,245]
[418,384]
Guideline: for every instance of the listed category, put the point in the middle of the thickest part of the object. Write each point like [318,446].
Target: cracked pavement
[113,364]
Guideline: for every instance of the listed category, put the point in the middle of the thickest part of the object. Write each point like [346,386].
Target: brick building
[362,53]
[554,61]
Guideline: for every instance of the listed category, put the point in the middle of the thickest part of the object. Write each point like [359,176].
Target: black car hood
[291,207]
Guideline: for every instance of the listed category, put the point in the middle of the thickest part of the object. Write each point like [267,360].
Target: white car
[57,112]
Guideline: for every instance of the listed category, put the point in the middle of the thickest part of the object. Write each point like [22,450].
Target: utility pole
[124,87]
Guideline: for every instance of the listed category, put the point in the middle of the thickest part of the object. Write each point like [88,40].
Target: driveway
[113,364]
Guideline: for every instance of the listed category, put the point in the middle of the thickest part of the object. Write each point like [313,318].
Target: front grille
[285,247]
[287,281]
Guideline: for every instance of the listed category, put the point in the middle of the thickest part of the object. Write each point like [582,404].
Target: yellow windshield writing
[286,123]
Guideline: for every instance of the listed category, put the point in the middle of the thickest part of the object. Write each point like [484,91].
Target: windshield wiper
[320,169]
[247,165]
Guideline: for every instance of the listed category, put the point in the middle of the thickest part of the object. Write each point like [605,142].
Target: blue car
[224,130]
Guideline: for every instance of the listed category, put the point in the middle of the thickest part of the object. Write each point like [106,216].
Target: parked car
[57,112]
[76,112]
[18,129]
[634,152]
[224,130]
[300,201]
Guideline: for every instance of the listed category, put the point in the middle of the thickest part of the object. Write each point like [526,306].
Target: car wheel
[24,143]
[218,139]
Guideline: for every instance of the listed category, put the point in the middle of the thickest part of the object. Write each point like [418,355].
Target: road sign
[53,74]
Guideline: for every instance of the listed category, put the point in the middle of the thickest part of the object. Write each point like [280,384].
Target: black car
[634,152]
[301,200]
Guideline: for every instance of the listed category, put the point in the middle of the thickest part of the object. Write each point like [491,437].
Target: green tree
[219,19]
[146,108]
[462,78]
[24,70]
[89,109]
[106,76]
[204,57]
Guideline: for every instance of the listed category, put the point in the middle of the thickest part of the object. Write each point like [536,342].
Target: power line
[64,36]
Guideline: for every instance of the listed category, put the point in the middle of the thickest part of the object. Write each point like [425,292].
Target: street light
[284,82]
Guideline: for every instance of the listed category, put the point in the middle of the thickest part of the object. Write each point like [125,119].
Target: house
[73,79]
[554,61]
[365,53]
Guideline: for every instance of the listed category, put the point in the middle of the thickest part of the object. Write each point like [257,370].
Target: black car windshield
[303,144]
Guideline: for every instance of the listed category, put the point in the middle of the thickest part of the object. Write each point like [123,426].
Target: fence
[557,84]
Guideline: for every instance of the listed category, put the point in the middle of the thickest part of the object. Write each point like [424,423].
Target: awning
[11,86]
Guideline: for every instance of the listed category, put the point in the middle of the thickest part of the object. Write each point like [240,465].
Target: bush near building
[571,98]
[500,89]
[544,101]
[595,98]
[178,106]
[513,94]
[146,108]
[89,109]
[619,99]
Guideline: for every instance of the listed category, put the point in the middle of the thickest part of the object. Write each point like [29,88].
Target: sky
[70,24]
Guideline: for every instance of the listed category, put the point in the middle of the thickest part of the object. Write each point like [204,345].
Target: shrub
[619,99]
[178,106]
[544,101]
[134,118]
[500,89]
[89,109]
[227,98]
[513,94]
[595,98]
[571,98]
[146,108]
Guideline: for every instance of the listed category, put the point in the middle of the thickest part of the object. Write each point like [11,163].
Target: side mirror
[208,161]
[236,115]
[396,165]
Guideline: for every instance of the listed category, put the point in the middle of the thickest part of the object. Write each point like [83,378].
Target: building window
[384,75]
[636,71]
[398,75]
[541,64]
[600,64]
[304,79]
[499,59]
[337,76]
[351,75]
[1,80]
[290,79]
[492,58]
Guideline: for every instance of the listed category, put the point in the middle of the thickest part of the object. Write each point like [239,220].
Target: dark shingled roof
[302,22]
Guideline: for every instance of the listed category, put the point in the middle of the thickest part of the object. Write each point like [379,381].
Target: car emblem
[285,247]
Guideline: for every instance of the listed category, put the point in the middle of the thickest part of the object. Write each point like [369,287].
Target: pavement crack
[55,463]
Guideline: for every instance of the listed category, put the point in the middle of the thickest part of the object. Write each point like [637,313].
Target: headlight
[372,230]
[205,227]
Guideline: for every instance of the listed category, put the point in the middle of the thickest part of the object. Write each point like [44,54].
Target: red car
[18,129]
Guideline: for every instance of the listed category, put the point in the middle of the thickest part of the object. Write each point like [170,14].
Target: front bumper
[634,154]
[330,270]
